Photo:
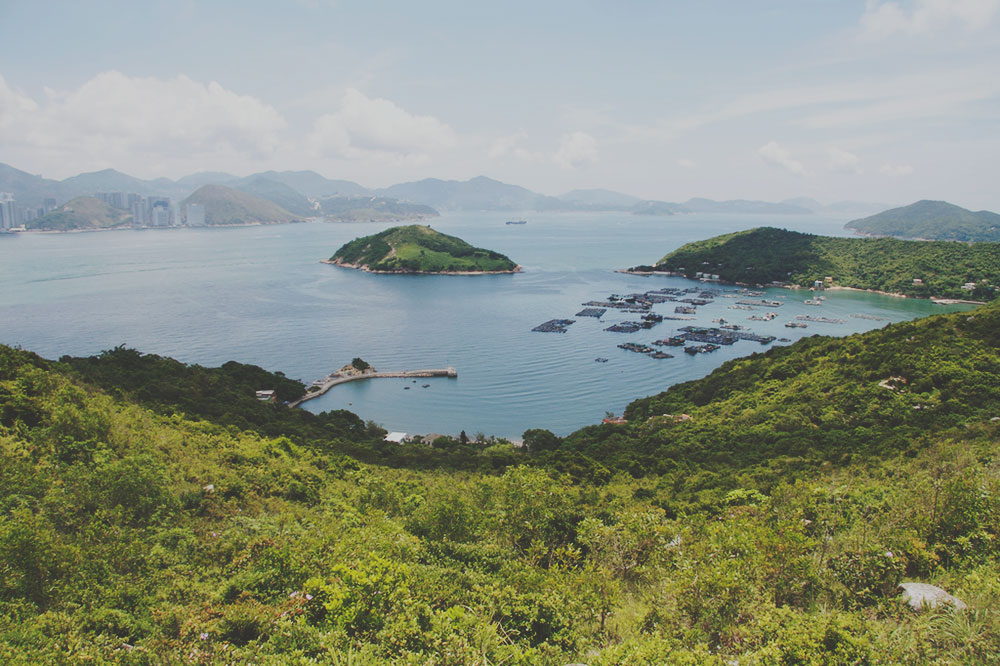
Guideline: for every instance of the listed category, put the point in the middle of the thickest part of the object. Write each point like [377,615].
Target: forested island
[913,268]
[931,220]
[419,249]
[152,511]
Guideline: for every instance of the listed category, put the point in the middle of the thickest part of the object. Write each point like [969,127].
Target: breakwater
[321,386]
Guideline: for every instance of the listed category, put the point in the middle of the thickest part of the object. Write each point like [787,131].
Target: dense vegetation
[373,209]
[766,254]
[227,206]
[82,213]
[419,249]
[769,528]
[931,220]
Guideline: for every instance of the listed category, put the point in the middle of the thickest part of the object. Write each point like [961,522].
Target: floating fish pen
[596,313]
[681,318]
[700,349]
[684,309]
[741,307]
[675,341]
[868,317]
[795,324]
[759,303]
[655,318]
[619,305]
[554,326]
[637,348]
[695,301]
[659,298]
[696,334]
[625,327]
[767,316]
[750,292]
[731,327]
[713,338]
[813,301]
[820,320]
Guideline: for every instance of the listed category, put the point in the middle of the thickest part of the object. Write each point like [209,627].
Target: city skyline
[866,101]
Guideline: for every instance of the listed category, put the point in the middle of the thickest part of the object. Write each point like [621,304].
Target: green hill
[279,194]
[821,400]
[931,220]
[419,249]
[228,206]
[766,254]
[82,213]
[769,527]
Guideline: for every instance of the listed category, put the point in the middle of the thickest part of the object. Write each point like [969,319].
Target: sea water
[260,295]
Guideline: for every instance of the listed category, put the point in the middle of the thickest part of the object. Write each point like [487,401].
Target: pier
[327,383]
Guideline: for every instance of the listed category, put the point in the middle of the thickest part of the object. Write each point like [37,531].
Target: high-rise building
[48,205]
[8,211]
[195,214]
[160,213]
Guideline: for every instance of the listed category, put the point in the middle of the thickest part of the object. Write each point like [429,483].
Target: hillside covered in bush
[770,525]
[915,268]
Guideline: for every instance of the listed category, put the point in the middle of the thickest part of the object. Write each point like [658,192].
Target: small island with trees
[419,249]
[765,255]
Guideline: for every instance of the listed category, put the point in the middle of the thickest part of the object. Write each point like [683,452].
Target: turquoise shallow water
[259,295]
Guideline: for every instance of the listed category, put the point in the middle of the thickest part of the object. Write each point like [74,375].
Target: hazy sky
[887,101]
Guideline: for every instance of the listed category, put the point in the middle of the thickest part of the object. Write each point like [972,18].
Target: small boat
[517,221]
[600,360]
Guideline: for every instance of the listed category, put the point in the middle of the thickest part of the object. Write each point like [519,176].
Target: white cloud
[378,128]
[843,161]
[510,145]
[896,170]
[506,145]
[113,119]
[772,153]
[576,150]
[885,19]
[685,163]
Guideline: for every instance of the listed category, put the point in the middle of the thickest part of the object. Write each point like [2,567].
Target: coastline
[894,294]
[516,269]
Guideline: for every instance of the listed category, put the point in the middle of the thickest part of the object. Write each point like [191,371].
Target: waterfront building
[195,214]
[8,211]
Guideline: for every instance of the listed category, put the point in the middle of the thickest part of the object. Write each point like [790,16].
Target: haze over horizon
[866,101]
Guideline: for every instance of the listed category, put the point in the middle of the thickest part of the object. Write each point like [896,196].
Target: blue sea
[260,295]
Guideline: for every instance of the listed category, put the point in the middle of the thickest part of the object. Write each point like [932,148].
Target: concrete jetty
[328,382]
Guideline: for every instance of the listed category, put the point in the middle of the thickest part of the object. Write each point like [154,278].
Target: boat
[517,221]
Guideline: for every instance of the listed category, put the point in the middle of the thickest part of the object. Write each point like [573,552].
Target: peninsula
[765,255]
[931,220]
[419,249]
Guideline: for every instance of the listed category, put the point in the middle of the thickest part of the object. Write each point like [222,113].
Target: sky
[885,101]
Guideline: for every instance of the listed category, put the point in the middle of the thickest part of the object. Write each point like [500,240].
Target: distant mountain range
[931,220]
[300,193]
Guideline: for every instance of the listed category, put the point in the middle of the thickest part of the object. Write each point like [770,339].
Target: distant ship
[517,221]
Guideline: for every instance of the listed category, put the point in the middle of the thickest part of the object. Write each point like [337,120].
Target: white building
[8,211]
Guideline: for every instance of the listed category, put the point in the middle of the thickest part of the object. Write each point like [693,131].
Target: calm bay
[260,295]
